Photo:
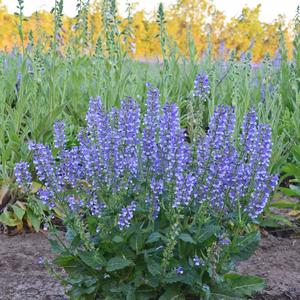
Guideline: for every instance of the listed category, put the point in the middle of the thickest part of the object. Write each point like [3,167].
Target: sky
[269,10]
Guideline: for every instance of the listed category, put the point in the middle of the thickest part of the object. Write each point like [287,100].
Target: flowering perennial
[148,160]
[201,85]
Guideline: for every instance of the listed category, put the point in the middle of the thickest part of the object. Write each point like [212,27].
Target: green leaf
[172,294]
[118,239]
[92,222]
[19,212]
[245,285]
[75,242]
[55,247]
[91,260]
[8,219]
[33,220]
[295,188]
[172,277]
[206,232]
[289,192]
[117,263]
[153,267]
[245,246]
[131,294]
[144,295]
[136,242]
[274,220]
[225,292]
[65,260]
[284,204]
[154,237]
[219,295]
[186,238]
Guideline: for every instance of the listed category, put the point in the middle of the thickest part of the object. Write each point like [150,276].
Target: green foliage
[293,169]
[21,18]
[135,263]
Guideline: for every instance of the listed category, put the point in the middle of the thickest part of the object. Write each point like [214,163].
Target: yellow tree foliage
[197,18]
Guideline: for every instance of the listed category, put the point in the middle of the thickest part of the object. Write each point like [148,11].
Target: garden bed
[22,277]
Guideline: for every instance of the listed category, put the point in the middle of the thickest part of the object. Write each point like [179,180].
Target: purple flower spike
[59,134]
[126,215]
[23,176]
[201,85]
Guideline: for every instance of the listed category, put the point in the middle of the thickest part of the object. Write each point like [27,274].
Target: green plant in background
[21,17]
[82,22]
[292,170]
[57,11]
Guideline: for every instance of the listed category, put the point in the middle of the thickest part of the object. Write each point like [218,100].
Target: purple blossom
[150,131]
[277,59]
[19,81]
[174,154]
[96,206]
[157,187]
[201,85]
[128,131]
[41,260]
[224,241]
[45,165]
[74,203]
[23,176]
[59,134]
[148,159]
[126,215]
[227,174]
[47,196]
[198,262]
[179,270]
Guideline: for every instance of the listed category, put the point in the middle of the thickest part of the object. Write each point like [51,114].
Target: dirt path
[21,275]
[23,278]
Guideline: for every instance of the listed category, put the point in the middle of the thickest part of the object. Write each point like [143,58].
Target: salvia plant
[82,23]
[20,15]
[148,214]
[57,11]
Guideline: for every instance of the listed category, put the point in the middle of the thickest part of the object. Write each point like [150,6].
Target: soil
[278,261]
[23,278]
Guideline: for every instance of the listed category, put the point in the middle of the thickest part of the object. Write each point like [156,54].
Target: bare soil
[23,278]
[278,261]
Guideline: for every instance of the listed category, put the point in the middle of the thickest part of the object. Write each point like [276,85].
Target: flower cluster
[23,176]
[150,162]
[201,85]
[198,262]
[230,176]
[59,134]
[126,215]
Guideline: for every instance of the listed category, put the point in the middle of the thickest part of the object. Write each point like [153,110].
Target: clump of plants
[149,215]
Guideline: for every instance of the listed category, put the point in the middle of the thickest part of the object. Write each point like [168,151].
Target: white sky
[269,11]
